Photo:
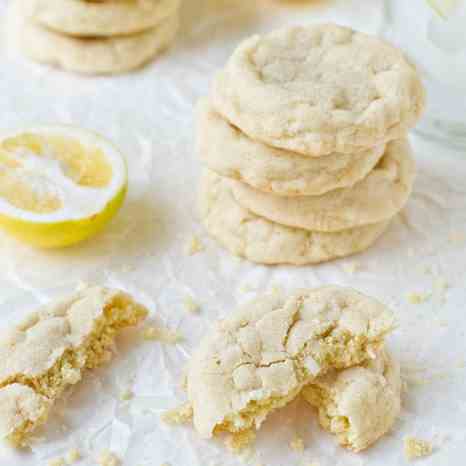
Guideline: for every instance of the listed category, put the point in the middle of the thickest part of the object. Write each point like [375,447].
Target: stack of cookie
[304,138]
[93,36]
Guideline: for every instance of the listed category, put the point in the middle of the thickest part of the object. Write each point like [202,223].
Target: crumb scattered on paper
[457,238]
[417,298]
[191,305]
[107,458]
[81,285]
[162,334]
[297,444]
[56,462]
[194,246]
[184,381]
[441,284]
[351,267]
[73,456]
[276,289]
[246,289]
[126,395]
[416,448]
[181,415]
[239,442]
[440,288]
[426,269]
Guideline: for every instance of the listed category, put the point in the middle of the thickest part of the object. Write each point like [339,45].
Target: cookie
[319,89]
[376,198]
[258,359]
[359,405]
[98,18]
[229,152]
[49,351]
[90,55]
[260,240]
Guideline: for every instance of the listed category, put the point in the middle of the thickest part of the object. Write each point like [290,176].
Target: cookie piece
[359,405]
[49,351]
[319,89]
[98,18]
[21,411]
[90,55]
[258,359]
[376,198]
[229,152]
[260,240]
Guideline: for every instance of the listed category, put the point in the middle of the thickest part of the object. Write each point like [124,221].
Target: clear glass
[436,42]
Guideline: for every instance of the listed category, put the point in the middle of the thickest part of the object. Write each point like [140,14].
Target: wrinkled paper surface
[149,115]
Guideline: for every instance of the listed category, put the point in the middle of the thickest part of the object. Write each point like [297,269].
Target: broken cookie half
[359,405]
[49,351]
[261,357]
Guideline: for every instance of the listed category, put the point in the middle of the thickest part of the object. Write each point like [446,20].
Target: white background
[149,114]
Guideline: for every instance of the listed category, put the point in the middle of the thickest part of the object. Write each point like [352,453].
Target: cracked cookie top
[51,348]
[260,358]
[33,347]
[319,89]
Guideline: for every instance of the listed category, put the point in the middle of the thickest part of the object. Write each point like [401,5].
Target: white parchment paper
[149,114]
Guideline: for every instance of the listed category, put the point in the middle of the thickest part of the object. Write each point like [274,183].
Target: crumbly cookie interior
[360,404]
[118,313]
[273,356]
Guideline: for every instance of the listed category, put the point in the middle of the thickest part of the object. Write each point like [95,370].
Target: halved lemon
[443,7]
[59,185]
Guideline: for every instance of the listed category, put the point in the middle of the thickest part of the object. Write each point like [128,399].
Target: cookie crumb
[191,305]
[440,288]
[162,334]
[457,238]
[417,298]
[126,395]
[82,285]
[184,382]
[72,456]
[194,246]
[297,444]
[246,289]
[416,448]
[56,462]
[240,441]
[426,269]
[181,415]
[276,289]
[107,458]
[351,267]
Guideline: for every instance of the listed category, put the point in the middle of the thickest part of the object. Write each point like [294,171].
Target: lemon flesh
[58,185]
